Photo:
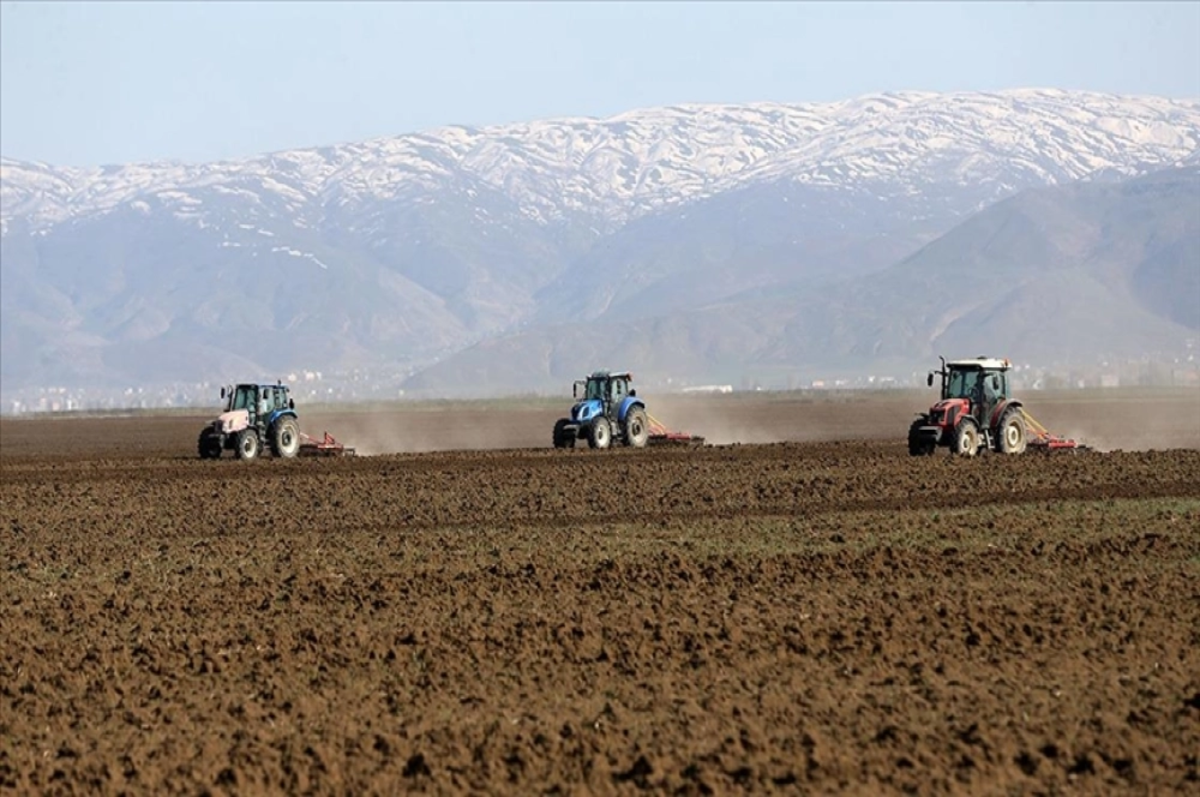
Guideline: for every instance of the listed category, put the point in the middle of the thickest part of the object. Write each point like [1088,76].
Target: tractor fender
[628,403]
[999,410]
[277,414]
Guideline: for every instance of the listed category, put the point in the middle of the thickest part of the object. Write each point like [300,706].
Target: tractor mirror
[929,379]
[633,392]
[222,391]
[291,404]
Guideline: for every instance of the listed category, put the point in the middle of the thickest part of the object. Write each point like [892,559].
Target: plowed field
[807,617]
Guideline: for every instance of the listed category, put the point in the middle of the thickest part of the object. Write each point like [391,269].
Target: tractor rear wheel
[1012,438]
[563,437]
[209,445]
[966,438]
[247,444]
[918,444]
[285,438]
[600,433]
[637,430]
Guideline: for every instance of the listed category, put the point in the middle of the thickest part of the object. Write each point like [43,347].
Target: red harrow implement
[325,447]
[662,436]
[1042,440]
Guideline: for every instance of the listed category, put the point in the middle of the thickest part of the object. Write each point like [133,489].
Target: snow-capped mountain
[406,249]
[635,163]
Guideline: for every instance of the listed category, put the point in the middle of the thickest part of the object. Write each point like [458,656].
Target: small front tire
[209,445]
[966,438]
[918,444]
[247,444]
[600,433]
[563,437]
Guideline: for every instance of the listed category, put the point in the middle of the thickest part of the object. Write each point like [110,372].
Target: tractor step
[327,446]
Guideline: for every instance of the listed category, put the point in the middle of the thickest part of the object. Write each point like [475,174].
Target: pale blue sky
[89,83]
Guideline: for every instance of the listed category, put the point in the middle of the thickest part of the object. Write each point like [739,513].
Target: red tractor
[976,411]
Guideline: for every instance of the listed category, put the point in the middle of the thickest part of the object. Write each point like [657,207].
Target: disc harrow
[327,446]
[1041,439]
[660,435]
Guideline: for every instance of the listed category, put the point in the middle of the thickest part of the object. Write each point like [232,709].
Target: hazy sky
[90,83]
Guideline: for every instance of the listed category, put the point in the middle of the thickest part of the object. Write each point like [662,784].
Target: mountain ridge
[399,252]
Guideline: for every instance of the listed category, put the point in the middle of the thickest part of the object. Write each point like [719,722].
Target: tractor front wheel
[563,437]
[918,444]
[247,444]
[966,438]
[285,438]
[209,445]
[1012,438]
[637,430]
[600,433]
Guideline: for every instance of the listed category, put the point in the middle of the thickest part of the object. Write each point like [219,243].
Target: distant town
[372,385]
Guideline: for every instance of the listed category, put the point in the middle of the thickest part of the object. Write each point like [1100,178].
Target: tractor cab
[257,400]
[604,387]
[982,382]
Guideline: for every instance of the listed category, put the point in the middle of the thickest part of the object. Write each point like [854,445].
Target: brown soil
[818,617]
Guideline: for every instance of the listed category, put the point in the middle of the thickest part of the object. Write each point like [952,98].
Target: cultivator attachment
[1042,440]
[325,447]
[662,436]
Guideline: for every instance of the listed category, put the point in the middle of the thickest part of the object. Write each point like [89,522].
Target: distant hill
[1072,273]
[698,240]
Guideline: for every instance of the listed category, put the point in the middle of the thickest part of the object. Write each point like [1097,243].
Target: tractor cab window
[962,384]
[618,389]
[596,388]
[243,398]
[1001,391]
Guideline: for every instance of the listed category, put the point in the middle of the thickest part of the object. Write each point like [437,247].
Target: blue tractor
[606,409]
[255,417]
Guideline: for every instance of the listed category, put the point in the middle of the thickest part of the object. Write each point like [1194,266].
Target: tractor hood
[946,404]
[232,421]
[585,410]
[948,411]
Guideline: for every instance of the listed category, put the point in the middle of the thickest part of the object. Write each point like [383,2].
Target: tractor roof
[610,375]
[982,364]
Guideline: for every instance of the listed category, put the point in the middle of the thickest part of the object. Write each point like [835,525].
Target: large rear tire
[285,438]
[966,438]
[918,444]
[247,444]
[209,444]
[563,437]
[1012,438]
[600,433]
[637,430]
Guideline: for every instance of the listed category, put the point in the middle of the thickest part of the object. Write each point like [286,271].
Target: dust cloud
[1102,419]
[451,428]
